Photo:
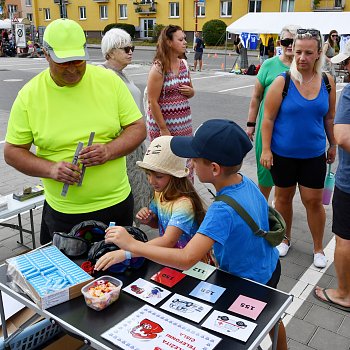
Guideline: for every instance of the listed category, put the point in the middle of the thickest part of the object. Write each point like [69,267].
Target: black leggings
[275,278]
[54,221]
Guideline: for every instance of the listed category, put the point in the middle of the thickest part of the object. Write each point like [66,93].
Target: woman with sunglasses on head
[267,73]
[117,49]
[295,130]
[169,87]
[329,51]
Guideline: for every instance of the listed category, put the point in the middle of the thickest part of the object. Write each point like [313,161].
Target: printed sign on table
[247,307]
[186,307]
[150,329]
[147,291]
[201,271]
[229,325]
[207,291]
[168,277]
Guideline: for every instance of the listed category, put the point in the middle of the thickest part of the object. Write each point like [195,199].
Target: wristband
[127,255]
[249,124]
[334,145]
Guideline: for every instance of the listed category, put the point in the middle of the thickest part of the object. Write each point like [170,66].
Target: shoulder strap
[286,84]
[185,63]
[326,81]
[241,212]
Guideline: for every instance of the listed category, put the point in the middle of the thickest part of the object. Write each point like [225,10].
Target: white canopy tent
[273,22]
[5,24]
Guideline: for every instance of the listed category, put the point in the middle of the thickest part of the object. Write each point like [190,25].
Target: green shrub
[214,32]
[156,31]
[130,28]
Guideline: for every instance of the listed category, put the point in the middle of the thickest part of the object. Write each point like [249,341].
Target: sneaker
[320,260]
[283,248]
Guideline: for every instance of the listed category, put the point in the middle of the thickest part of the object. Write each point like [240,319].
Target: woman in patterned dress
[169,87]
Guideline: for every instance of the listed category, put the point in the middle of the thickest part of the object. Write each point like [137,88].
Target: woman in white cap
[117,49]
[176,209]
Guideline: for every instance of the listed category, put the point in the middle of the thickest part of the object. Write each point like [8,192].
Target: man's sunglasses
[287,42]
[127,49]
[313,32]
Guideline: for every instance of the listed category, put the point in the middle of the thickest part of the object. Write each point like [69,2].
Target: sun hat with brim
[342,56]
[161,159]
[65,41]
[217,140]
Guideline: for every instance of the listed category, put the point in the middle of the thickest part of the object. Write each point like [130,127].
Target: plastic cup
[328,188]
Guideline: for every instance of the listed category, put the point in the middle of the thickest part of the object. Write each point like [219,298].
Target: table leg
[3,319]
[32,227]
[20,229]
[275,335]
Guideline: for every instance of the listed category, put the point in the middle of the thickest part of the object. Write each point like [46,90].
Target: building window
[103,12]
[174,8]
[226,8]
[254,5]
[200,10]
[287,6]
[28,2]
[82,12]
[30,17]
[47,14]
[123,11]
[12,9]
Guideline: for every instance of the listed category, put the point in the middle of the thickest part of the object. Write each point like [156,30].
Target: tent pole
[225,51]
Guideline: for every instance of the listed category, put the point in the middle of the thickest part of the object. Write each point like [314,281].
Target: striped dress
[174,106]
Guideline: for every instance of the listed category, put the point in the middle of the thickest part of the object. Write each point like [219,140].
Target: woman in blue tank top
[295,130]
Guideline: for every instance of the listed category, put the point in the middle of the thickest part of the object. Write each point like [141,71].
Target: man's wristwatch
[250,124]
[127,255]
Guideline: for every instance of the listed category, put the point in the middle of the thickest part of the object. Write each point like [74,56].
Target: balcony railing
[101,0]
[145,7]
[58,2]
[328,5]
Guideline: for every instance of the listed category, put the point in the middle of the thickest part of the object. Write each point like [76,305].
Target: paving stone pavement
[310,323]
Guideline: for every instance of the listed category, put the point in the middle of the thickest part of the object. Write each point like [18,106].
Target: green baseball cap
[65,41]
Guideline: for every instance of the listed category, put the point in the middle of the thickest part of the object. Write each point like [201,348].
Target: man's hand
[95,154]
[109,259]
[119,236]
[65,172]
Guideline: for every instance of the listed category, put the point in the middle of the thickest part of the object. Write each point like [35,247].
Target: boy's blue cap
[218,140]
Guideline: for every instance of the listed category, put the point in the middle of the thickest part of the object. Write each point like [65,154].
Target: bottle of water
[328,186]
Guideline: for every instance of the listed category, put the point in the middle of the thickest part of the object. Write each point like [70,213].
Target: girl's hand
[109,259]
[250,130]
[266,159]
[119,236]
[145,215]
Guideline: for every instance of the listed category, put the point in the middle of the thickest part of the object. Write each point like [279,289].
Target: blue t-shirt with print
[342,116]
[236,248]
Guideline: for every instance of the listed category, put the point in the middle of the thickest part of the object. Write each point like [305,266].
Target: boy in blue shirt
[217,150]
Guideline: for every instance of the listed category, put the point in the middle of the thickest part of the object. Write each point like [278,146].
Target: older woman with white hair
[117,49]
[295,130]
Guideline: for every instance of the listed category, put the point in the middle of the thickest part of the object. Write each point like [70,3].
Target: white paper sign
[147,291]
[229,325]
[150,329]
[186,307]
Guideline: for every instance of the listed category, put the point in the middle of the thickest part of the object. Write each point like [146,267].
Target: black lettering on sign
[250,307]
[167,276]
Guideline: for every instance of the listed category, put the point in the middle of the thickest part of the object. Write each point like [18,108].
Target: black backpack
[287,81]
[251,70]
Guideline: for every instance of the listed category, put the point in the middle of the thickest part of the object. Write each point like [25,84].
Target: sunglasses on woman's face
[127,49]
[334,35]
[313,32]
[287,42]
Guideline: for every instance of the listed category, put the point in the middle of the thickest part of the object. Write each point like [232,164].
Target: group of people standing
[76,98]
[291,114]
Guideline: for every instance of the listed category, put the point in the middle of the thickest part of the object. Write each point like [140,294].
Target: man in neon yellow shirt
[60,107]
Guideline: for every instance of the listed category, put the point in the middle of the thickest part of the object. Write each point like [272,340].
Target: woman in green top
[267,74]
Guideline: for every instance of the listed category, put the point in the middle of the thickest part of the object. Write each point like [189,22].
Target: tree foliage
[130,28]
[156,31]
[214,32]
